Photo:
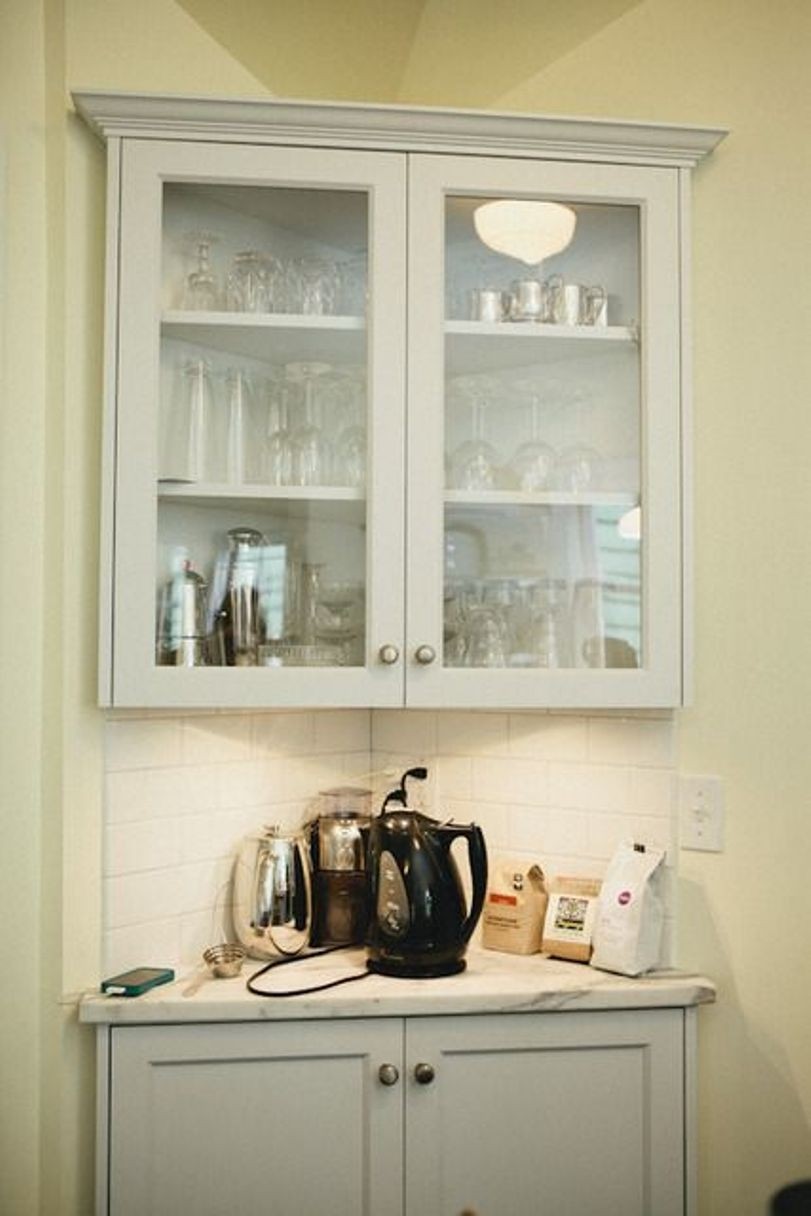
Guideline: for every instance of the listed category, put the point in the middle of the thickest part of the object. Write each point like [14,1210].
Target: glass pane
[543,438]
[263,422]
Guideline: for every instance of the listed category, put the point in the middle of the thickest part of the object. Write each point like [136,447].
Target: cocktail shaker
[181,620]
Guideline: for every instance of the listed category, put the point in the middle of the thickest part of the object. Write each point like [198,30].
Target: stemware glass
[577,468]
[201,287]
[339,618]
[350,444]
[533,463]
[277,462]
[474,463]
[310,464]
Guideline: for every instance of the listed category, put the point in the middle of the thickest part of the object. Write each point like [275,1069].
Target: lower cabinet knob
[424,1074]
[388,654]
[389,1074]
[425,655]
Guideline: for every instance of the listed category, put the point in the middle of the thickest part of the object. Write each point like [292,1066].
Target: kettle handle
[477,859]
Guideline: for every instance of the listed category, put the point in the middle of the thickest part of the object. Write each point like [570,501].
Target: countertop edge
[497,984]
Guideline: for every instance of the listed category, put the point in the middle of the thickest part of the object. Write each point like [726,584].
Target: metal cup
[527,300]
[487,304]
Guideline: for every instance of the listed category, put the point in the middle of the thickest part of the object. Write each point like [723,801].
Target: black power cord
[300,958]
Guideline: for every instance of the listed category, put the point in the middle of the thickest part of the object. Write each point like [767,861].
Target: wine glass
[201,288]
[474,463]
[577,468]
[310,463]
[533,463]
[278,446]
[339,617]
[350,443]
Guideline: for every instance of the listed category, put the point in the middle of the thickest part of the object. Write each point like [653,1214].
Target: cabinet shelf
[473,346]
[545,498]
[212,492]
[272,337]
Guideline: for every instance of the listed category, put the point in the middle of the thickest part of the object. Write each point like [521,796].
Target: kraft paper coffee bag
[514,907]
[570,915]
[631,909]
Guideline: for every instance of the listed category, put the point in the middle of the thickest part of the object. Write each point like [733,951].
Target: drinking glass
[485,638]
[240,441]
[310,463]
[277,449]
[188,426]
[247,287]
[532,464]
[201,288]
[315,285]
[576,468]
[339,618]
[474,464]
[350,443]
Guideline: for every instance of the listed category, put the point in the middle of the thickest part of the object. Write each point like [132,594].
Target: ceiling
[436,52]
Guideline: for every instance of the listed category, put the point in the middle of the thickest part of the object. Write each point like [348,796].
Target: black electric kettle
[418,922]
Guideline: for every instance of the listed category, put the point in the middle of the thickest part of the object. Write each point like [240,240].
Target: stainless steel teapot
[272,893]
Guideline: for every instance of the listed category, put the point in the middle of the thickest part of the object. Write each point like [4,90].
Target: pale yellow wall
[745,912]
[22,522]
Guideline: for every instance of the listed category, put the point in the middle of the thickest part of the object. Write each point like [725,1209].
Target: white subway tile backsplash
[630,741]
[341,730]
[652,791]
[151,844]
[548,737]
[130,899]
[403,731]
[497,779]
[182,791]
[142,743]
[470,734]
[594,787]
[217,739]
[154,943]
[543,831]
[282,734]
[454,778]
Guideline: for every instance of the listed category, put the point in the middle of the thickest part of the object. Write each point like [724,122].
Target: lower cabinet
[563,1114]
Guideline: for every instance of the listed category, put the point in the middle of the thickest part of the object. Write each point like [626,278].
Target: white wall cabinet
[566,1113]
[358,455]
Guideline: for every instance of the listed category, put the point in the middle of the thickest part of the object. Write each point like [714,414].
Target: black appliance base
[415,970]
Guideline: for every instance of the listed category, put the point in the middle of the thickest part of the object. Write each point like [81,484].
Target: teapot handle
[477,858]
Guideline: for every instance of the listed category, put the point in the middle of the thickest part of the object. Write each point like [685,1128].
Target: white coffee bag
[630,911]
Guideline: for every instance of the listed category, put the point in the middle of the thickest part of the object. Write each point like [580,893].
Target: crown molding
[164,116]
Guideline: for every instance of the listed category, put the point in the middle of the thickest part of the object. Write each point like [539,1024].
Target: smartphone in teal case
[140,979]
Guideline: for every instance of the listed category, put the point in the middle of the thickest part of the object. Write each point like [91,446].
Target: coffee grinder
[338,840]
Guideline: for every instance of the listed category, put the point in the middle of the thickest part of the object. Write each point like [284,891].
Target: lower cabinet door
[560,1114]
[282,1119]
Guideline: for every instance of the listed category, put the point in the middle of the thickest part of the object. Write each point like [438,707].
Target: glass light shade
[525,228]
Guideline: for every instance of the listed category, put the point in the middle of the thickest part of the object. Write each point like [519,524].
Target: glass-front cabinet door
[544,535]
[259,443]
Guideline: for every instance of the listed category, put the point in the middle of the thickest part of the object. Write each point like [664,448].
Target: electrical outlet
[701,813]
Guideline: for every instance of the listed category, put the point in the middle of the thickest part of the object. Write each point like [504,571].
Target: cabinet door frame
[667,1076]
[134,343]
[133,1054]
[656,191]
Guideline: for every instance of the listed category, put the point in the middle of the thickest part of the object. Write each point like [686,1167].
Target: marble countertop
[492,983]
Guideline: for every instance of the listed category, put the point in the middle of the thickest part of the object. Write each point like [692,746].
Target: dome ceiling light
[525,228]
